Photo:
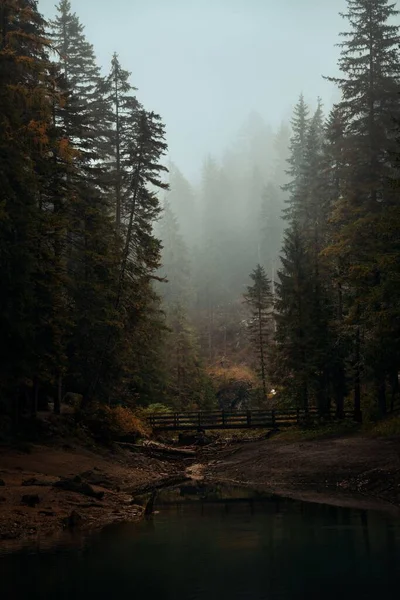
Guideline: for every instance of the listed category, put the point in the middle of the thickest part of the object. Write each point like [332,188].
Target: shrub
[107,423]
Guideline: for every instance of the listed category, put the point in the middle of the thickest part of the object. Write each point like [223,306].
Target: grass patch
[389,427]
[317,432]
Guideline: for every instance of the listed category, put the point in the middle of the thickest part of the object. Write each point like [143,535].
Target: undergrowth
[296,433]
[389,427]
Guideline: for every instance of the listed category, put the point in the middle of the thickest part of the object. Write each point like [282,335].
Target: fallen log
[152,448]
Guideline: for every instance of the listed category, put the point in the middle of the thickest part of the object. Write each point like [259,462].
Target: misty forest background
[276,281]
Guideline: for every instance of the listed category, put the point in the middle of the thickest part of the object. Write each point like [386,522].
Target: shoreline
[80,490]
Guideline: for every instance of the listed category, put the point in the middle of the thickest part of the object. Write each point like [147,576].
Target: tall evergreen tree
[123,110]
[31,223]
[297,149]
[293,350]
[370,65]
[259,300]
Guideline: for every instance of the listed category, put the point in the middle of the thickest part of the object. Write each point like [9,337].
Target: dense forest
[276,280]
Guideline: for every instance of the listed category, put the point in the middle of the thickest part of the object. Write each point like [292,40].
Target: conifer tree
[85,114]
[293,306]
[370,66]
[123,109]
[297,149]
[259,300]
[32,348]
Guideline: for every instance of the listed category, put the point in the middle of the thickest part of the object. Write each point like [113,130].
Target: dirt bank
[68,486]
[353,471]
[47,489]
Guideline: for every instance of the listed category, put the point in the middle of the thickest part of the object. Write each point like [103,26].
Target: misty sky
[205,64]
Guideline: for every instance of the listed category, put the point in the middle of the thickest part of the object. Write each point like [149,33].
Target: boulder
[35,482]
[30,500]
[73,521]
[76,485]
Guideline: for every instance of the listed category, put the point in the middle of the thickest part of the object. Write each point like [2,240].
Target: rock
[73,521]
[2,483]
[30,500]
[76,485]
[35,482]
[202,439]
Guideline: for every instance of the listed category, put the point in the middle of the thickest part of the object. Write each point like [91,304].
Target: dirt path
[356,470]
[101,488]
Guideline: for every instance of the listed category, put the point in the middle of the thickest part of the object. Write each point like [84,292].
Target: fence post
[248,418]
[273,418]
[199,421]
[298,415]
[223,417]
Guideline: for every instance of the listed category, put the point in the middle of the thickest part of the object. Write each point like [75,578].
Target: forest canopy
[124,283]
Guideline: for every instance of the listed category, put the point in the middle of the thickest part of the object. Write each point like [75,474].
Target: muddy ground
[45,489]
[348,471]
[73,487]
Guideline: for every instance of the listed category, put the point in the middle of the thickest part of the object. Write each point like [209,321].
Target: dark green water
[255,548]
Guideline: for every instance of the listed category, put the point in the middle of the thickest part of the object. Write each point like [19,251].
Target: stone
[76,485]
[73,521]
[47,513]
[35,482]
[30,500]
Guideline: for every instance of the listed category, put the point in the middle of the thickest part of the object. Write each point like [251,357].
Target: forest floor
[69,486]
[352,470]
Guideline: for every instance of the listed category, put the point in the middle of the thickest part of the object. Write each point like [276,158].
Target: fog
[204,66]
[256,137]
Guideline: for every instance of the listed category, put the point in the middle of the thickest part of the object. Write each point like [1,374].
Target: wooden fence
[251,419]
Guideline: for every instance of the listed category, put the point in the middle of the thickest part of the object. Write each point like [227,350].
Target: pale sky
[203,65]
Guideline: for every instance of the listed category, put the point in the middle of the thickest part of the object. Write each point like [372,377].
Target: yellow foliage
[232,373]
[124,422]
[110,422]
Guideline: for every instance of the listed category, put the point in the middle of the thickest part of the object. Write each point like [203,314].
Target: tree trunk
[381,393]
[395,388]
[357,379]
[57,400]
[339,390]
[35,397]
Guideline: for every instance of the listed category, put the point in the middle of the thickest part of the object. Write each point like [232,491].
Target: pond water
[213,544]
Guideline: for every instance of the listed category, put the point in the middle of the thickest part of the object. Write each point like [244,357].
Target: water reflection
[215,544]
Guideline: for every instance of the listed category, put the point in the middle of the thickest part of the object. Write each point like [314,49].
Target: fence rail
[250,419]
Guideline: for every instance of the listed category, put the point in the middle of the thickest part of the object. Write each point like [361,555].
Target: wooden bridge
[250,419]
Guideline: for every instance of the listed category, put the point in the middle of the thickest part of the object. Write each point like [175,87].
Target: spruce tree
[293,312]
[123,106]
[85,113]
[370,66]
[259,300]
[31,346]
[297,149]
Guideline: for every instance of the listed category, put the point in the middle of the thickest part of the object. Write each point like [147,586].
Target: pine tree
[259,300]
[175,269]
[86,110]
[123,109]
[293,308]
[32,348]
[271,228]
[370,85]
[141,250]
[297,149]
[183,203]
